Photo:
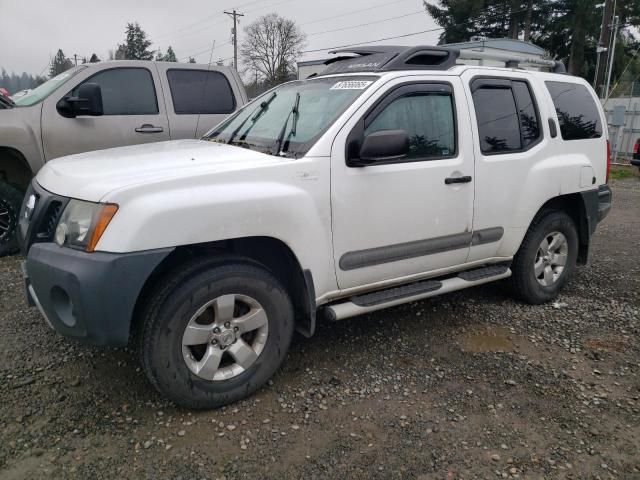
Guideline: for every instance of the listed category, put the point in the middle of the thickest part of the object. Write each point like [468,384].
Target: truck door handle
[148,128]
[450,180]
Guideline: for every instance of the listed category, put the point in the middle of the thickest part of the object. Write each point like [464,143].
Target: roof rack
[512,61]
[384,58]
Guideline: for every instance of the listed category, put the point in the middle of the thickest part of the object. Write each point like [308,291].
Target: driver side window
[428,119]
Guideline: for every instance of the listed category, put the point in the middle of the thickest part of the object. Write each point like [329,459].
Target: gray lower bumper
[88,296]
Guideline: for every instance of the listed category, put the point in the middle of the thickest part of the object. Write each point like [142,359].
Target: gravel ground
[468,385]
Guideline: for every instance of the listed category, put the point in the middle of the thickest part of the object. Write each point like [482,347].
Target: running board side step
[370,302]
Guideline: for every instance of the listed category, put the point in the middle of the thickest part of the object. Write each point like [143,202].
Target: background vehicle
[20,94]
[395,176]
[102,105]
[635,159]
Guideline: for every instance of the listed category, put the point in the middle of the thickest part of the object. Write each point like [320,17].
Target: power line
[393,37]
[372,7]
[365,24]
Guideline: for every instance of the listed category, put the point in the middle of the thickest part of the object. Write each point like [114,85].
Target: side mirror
[382,146]
[87,102]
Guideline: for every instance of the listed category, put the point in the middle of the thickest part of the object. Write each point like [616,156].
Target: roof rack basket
[383,58]
[512,61]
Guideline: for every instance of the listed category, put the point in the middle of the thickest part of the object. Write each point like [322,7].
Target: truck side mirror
[88,101]
[382,146]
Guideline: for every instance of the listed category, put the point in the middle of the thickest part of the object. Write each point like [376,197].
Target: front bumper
[88,296]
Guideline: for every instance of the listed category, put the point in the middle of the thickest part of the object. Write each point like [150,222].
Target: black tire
[10,203]
[524,284]
[169,310]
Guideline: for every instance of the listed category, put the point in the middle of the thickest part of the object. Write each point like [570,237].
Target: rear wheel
[546,258]
[10,202]
[216,334]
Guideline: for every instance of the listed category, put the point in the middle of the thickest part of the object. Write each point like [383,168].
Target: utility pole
[612,54]
[234,32]
[75,58]
[603,45]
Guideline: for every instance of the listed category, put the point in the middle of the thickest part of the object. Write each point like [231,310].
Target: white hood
[91,176]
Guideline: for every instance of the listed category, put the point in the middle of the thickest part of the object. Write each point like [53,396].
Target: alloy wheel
[225,337]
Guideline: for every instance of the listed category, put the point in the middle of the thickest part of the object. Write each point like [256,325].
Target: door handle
[148,128]
[450,180]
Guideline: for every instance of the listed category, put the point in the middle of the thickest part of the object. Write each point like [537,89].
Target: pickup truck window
[47,88]
[292,116]
[200,92]
[126,91]
[427,117]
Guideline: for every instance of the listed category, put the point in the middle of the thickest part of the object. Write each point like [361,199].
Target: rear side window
[428,119]
[200,92]
[577,111]
[506,114]
[126,91]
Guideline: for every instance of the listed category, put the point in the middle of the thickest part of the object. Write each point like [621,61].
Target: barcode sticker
[352,85]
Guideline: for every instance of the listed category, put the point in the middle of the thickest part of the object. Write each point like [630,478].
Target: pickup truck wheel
[216,335]
[546,258]
[10,201]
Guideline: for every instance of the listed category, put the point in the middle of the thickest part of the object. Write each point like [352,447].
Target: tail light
[609,159]
[636,147]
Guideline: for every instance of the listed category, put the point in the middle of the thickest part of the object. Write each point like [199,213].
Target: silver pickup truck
[103,105]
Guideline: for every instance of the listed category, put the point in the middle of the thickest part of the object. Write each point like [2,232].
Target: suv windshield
[47,88]
[289,119]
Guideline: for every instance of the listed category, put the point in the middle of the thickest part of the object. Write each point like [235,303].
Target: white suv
[394,176]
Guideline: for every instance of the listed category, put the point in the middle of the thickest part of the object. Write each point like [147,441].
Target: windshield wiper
[257,114]
[294,111]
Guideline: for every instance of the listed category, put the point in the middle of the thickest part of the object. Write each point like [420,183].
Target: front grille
[40,225]
[48,223]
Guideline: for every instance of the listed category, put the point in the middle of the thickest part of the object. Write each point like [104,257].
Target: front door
[134,112]
[409,216]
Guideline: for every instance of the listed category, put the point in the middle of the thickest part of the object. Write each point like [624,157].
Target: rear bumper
[604,202]
[88,296]
[635,162]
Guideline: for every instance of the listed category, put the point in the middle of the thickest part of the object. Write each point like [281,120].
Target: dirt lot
[469,385]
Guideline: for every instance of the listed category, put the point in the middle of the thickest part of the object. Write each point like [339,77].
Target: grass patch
[618,173]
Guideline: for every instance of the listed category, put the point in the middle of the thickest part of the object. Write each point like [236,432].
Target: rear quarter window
[200,92]
[577,111]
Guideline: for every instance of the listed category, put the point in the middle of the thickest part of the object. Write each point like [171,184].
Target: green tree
[567,29]
[136,46]
[94,58]
[170,56]
[59,64]
[192,60]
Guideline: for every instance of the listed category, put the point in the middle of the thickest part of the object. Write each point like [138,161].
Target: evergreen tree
[136,46]
[94,58]
[192,60]
[170,56]
[59,64]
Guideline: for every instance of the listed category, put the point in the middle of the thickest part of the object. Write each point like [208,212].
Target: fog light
[61,234]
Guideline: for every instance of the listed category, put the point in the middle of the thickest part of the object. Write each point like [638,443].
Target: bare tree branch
[271,46]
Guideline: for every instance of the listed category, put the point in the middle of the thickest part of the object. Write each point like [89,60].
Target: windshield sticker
[352,85]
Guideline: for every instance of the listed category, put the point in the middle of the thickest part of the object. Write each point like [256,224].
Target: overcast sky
[31,31]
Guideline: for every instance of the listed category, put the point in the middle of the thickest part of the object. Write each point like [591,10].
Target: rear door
[197,100]
[134,112]
[509,146]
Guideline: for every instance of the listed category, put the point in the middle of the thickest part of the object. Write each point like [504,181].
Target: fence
[623,117]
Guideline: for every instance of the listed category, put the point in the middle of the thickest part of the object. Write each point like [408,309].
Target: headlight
[83,223]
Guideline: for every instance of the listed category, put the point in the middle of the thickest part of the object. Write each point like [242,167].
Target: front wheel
[10,201]
[546,258]
[216,335]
